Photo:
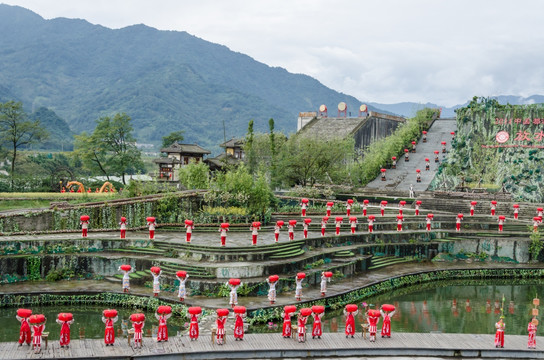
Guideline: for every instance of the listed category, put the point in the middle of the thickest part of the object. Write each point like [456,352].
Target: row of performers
[233,284]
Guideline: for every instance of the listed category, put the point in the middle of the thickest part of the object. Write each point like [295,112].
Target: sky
[385,51]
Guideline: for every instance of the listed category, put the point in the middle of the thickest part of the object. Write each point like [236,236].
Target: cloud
[384,51]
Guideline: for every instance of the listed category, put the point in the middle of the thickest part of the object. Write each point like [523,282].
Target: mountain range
[70,73]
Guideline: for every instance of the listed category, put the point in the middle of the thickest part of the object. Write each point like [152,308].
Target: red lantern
[305,311]
[383,170]
[164,310]
[452,133]
[418,171]
[301,275]
[325,218]
[406,150]
[123,219]
[502,217]
[222,312]
[150,219]
[473,203]
[350,201]
[353,218]
[436,152]
[155,270]
[234,282]
[371,217]
[402,202]
[85,218]
[318,309]
[400,217]
[413,142]
[460,216]
[330,204]
[373,313]
[384,202]
[126,267]
[339,218]
[418,202]
[304,200]
[307,221]
[427,159]
[280,223]
[516,206]
[388,307]
[225,225]
[443,143]
[424,132]
[394,158]
[109,313]
[289,309]
[195,310]
[189,222]
[351,307]
[292,222]
[328,274]
[36,319]
[539,209]
[24,313]
[256,224]
[494,202]
[430,215]
[365,201]
[137,317]
[65,317]
[181,274]
[239,309]
[273,278]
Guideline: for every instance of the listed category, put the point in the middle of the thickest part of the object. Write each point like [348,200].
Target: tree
[248,148]
[272,149]
[195,175]
[174,136]
[17,131]
[111,147]
[304,160]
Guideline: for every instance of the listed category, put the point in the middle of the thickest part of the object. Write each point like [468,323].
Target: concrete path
[405,173]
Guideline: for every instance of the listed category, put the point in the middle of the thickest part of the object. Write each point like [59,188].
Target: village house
[178,155]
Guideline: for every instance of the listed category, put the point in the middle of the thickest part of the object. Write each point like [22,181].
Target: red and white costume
[539,212]
[286,330]
[152,225]
[301,331]
[531,342]
[417,208]
[399,224]
[24,331]
[193,328]
[316,327]
[428,221]
[239,326]
[109,333]
[220,323]
[493,207]
[401,207]
[138,326]
[365,206]
[303,207]
[370,225]
[535,225]
[373,326]
[353,224]
[123,225]
[156,283]
[501,223]
[182,292]
[188,232]
[223,235]
[276,232]
[458,223]
[386,324]
[305,229]
[233,295]
[162,333]
[271,290]
[65,332]
[254,234]
[298,289]
[350,322]
[337,224]
[324,281]
[472,210]
[126,279]
[427,165]
[291,231]
[348,208]
[382,209]
[37,331]
[516,212]
[84,228]
[323,227]
[329,208]
[499,334]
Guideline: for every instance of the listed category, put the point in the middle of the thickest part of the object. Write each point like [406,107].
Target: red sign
[502,137]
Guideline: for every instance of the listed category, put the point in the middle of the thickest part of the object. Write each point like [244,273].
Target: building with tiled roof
[233,155]
[178,155]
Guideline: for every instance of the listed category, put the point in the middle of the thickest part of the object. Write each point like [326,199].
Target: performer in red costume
[472,207]
[277,229]
[371,223]
[516,211]
[386,324]
[189,226]
[24,331]
[109,333]
[493,207]
[365,206]
[350,322]
[65,332]
[429,219]
[458,222]
[223,234]
[501,220]
[382,207]
[531,328]
[162,332]
[338,223]
[239,326]
[37,332]
[123,225]
[316,327]
[324,225]
[152,225]
[84,227]
[353,224]
[499,334]
[301,331]
[400,219]
[373,319]
[348,206]
[286,331]
[291,231]
[303,207]
[254,232]
[329,206]
[138,326]
[193,328]
[220,323]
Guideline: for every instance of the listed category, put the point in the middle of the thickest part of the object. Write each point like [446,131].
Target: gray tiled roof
[185,148]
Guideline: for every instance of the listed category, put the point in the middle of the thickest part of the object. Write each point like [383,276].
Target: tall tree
[172,137]
[272,150]
[248,148]
[112,147]
[17,131]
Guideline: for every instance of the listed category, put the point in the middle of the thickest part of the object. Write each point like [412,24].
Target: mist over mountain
[164,80]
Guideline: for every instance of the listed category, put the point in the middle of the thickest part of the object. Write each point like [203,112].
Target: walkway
[405,173]
[274,346]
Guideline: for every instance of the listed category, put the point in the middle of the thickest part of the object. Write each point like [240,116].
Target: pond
[448,307]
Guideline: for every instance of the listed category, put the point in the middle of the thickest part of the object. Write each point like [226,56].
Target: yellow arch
[71,183]
[108,185]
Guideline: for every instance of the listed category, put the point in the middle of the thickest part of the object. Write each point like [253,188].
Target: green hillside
[164,80]
[495,146]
